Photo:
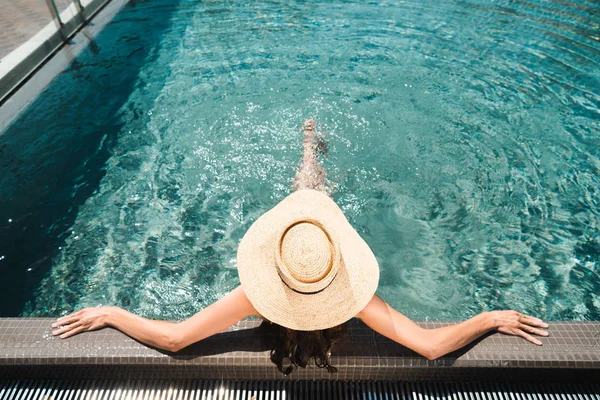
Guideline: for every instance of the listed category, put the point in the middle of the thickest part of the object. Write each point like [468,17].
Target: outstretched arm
[434,343]
[172,336]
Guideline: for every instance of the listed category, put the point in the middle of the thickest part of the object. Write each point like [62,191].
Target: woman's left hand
[512,322]
[87,319]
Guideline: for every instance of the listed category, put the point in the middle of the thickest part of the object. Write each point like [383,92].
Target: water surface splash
[463,145]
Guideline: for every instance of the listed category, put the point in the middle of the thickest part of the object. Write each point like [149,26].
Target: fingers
[514,323]
[67,319]
[529,320]
[72,332]
[68,325]
[530,325]
[66,329]
[531,329]
[528,337]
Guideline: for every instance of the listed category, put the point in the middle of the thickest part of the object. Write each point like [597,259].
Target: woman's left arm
[434,343]
[172,336]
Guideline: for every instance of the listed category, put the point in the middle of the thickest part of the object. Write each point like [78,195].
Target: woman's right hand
[514,323]
[87,319]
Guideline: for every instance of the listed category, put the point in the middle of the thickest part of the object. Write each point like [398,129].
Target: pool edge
[27,349]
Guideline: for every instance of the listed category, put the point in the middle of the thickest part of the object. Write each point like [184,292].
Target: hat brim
[349,292]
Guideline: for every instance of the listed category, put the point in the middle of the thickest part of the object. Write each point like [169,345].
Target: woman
[306,271]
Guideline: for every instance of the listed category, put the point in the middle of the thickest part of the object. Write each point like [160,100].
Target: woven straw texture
[303,266]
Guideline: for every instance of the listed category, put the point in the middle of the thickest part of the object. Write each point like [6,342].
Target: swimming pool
[463,144]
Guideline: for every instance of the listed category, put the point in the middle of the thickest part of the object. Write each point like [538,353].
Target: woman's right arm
[434,343]
[172,336]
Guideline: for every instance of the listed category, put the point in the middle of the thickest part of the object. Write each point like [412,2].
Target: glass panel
[62,5]
[20,20]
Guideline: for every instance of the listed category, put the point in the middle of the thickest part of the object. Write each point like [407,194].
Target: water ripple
[463,145]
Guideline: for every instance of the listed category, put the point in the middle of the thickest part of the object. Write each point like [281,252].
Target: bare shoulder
[375,303]
[241,301]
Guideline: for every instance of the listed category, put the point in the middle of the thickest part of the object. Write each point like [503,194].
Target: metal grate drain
[287,390]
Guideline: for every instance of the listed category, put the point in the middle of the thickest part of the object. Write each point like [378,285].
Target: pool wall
[27,349]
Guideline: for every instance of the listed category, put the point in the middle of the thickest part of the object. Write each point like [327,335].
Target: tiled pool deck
[21,19]
[27,349]
[29,36]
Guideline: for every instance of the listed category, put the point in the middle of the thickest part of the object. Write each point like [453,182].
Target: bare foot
[309,126]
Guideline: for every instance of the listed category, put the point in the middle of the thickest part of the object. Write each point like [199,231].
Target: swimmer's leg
[311,174]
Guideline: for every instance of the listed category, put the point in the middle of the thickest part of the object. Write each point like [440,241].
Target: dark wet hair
[300,347]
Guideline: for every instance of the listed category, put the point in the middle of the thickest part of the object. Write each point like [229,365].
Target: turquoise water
[463,143]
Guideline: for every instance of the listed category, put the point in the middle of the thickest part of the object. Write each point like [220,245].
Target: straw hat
[303,266]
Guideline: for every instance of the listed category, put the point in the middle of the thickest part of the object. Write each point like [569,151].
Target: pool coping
[27,349]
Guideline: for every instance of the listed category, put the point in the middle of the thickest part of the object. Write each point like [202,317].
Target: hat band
[300,292]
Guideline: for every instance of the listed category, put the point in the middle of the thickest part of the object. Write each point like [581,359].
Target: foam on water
[463,144]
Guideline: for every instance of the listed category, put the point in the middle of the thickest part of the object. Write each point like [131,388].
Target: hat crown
[307,256]
[306,252]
